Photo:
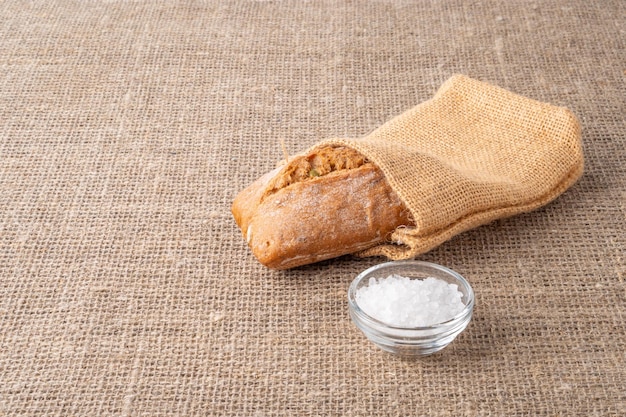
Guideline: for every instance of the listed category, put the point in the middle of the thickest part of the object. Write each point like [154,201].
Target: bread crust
[312,218]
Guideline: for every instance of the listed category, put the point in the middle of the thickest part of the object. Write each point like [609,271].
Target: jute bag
[472,154]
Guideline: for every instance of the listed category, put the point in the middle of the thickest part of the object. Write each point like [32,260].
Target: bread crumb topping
[321,162]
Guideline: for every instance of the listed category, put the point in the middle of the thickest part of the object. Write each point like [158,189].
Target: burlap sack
[472,154]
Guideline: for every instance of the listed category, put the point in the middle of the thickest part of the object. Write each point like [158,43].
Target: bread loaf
[328,203]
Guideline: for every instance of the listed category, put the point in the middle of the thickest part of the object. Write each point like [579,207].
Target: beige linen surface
[127,128]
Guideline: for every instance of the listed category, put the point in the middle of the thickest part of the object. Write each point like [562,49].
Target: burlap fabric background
[128,127]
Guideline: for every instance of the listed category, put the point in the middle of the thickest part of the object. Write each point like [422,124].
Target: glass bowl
[411,341]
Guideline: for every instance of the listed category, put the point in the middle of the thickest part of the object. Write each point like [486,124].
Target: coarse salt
[404,302]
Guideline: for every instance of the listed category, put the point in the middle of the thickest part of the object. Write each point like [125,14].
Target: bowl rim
[354,306]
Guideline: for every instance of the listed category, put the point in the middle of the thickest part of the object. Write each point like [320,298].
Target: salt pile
[404,302]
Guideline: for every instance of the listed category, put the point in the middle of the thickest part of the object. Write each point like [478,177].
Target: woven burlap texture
[472,154]
[128,127]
